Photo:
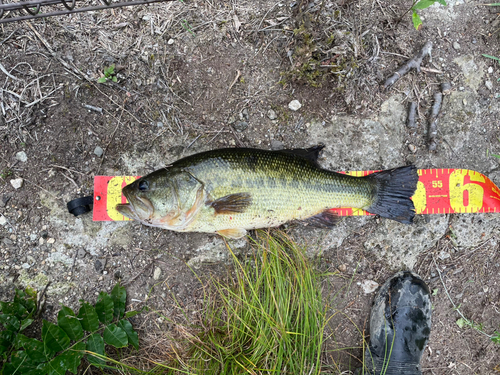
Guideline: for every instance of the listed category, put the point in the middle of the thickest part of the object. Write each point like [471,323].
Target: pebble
[456,45]
[412,148]
[25,266]
[3,220]
[33,237]
[159,124]
[98,151]
[17,183]
[272,114]
[51,240]
[489,85]
[81,253]
[41,241]
[369,286]
[443,255]
[490,70]
[171,41]
[342,268]
[294,105]
[240,126]
[157,273]
[277,145]
[21,156]
[98,266]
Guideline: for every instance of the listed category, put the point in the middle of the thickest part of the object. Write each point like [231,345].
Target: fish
[230,191]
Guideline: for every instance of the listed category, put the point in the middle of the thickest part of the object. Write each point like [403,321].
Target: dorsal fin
[311,153]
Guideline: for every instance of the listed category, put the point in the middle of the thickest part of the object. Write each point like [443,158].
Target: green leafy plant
[6,173]
[63,345]
[109,74]
[419,5]
[466,323]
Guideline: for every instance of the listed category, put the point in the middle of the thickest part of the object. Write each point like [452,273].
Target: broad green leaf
[417,22]
[95,344]
[70,324]
[25,324]
[88,317]
[422,4]
[6,339]
[33,348]
[442,2]
[54,339]
[21,365]
[133,338]
[10,322]
[104,308]
[67,361]
[101,80]
[132,313]
[114,79]
[14,308]
[119,297]
[115,336]
[27,298]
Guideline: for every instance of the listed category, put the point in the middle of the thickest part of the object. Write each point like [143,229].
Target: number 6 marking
[458,189]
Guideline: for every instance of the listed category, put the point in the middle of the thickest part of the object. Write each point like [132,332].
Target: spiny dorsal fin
[233,233]
[230,204]
[311,153]
[325,219]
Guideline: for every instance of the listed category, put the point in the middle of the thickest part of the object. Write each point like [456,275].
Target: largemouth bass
[230,191]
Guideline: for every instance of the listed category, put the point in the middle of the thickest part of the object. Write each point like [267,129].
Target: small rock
[342,268]
[272,114]
[489,85]
[294,105]
[159,124]
[81,253]
[277,145]
[456,45]
[443,255]
[33,237]
[41,241]
[412,148]
[171,41]
[44,233]
[244,114]
[157,273]
[30,260]
[7,242]
[3,220]
[369,286]
[98,266]
[240,126]
[51,240]
[21,156]
[98,151]
[25,266]
[490,70]
[461,88]
[17,183]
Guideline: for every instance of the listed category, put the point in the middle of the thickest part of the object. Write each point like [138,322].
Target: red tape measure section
[439,191]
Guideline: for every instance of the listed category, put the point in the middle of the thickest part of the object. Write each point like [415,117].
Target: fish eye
[143,185]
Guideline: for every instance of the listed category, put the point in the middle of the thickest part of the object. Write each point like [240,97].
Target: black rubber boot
[400,324]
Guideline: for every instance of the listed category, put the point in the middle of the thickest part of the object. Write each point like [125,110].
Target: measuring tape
[439,191]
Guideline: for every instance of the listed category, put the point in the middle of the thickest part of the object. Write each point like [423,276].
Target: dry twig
[413,63]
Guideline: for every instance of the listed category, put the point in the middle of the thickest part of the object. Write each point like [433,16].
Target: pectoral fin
[325,219]
[230,204]
[233,233]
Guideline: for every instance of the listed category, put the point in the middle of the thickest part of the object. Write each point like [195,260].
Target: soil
[199,75]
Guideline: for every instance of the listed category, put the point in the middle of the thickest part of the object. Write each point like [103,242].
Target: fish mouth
[138,208]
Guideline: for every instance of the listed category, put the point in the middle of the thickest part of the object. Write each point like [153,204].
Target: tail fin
[394,189]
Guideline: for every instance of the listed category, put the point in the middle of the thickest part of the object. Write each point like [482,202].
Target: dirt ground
[200,75]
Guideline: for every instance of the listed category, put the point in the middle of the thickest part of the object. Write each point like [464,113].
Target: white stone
[3,220]
[294,105]
[490,70]
[369,286]
[21,156]
[157,273]
[489,85]
[17,183]
[171,41]
[51,240]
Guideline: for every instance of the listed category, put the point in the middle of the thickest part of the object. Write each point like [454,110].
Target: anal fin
[325,219]
[230,204]
[233,233]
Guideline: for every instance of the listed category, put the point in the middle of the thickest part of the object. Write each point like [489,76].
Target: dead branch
[413,63]
[438,98]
